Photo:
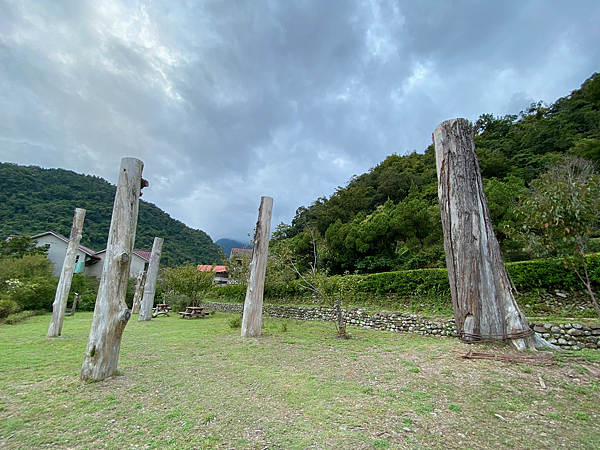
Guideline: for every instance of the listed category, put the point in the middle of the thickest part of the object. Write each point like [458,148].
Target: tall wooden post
[252,320]
[482,299]
[111,313]
[135,307]
[66,275]
[151,277]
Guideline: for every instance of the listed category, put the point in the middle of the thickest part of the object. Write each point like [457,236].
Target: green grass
[199,385]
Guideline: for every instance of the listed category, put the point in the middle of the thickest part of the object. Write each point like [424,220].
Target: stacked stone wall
[569,336]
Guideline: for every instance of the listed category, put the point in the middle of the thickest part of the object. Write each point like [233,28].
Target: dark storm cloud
[227,101]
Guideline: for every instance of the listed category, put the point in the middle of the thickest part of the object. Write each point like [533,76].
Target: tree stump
[111,314]
[252,319]
[151,277]
[483,303]
[66,275]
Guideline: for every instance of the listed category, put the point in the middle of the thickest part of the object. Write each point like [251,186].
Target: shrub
[233,292]
[7,306]
[235,322]
[177,302]
[87,288]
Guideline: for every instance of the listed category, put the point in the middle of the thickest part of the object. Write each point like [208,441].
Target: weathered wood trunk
[151,278]
[483,303]
[137,297]
[252,319]
[111,314]
[75,301]
[66,275]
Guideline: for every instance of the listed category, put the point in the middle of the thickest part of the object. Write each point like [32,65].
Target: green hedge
[526,275]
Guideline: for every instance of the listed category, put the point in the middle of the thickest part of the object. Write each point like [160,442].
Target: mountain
[227,244]
[33,200]
[388,218]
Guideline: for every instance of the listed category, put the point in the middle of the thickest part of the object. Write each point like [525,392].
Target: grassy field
[199,385]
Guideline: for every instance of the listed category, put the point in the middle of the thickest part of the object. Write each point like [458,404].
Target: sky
[228,101]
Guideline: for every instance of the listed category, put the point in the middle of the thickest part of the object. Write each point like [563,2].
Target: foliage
[188,280]
[560,215]
[28,282]
[177,302]
[34,200]
[235,322]
[87,288]
[232,292]
[18,246]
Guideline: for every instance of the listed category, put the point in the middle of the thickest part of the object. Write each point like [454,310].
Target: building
[221,275]
[85,261]
[139,262]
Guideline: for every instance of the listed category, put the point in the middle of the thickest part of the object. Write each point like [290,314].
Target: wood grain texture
[151,278]
[111,313]
[482,299]
[66,275]
[252,319]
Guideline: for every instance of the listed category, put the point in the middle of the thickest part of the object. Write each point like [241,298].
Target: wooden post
[482,299]
[252,320]
[66,275]
[151,277]
[75,300]
[135,307]
[111,313]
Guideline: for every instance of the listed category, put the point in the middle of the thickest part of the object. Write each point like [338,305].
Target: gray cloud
[228,101]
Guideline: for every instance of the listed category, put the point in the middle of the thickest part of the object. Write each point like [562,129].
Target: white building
[139,263]
[87,260]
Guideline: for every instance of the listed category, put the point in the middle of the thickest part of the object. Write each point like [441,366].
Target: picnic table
[193,312]
[161,309]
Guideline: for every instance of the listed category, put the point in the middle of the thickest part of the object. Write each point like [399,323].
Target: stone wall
[570,336]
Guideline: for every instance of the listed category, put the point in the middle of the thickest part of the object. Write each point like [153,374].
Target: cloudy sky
[226,101]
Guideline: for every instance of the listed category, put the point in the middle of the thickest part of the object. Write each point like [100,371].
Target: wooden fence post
[252,320]
[111,314]
[151,277]
[66,275]
[135,307]
[484,305]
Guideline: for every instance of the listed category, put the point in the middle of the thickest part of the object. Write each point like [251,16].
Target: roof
[144,254]
[85,250]
[241,251]
[207,268]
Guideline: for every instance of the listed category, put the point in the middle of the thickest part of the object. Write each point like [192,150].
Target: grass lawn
[198,385]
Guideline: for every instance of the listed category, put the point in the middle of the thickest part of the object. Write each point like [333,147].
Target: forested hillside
[388,218]
[33,200]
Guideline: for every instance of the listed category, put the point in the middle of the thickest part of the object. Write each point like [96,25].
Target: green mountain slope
[375,224]
[34,200]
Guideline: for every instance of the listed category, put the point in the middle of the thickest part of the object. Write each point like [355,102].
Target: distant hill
[227,244]
[33,200]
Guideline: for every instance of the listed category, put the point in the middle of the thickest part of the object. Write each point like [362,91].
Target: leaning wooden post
[76,299]
[135,307]
[111,313]
[482,299]
[151,277]
[252,320]
[66,276]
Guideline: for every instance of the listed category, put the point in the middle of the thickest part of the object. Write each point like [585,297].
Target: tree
[560,214]
[18,246]
[188,280]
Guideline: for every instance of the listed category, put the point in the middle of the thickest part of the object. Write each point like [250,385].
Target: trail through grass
[198,385]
